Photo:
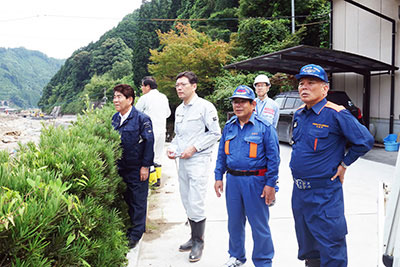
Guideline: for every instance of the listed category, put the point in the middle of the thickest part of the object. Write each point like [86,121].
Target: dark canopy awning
[290,61]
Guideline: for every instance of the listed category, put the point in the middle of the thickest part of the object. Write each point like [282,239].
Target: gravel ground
[16,129]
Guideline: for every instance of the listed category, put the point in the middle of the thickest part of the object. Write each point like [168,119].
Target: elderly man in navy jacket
[321,130]
[137,142]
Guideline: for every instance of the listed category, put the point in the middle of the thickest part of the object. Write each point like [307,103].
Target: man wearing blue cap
[249,153]
[319,160]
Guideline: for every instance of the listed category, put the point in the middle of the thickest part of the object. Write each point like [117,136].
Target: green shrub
[224,87]
[61,200]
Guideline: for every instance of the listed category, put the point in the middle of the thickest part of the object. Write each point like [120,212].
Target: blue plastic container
[392,146]
[391,138]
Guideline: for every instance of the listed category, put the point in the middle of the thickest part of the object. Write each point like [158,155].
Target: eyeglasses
[181,85]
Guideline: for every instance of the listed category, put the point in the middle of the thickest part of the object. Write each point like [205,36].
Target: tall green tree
[217,18]
[98,84]
[111,51]
[191,50]
[258,36]
[222,24]
[65,87]
[313,14]
[145,36]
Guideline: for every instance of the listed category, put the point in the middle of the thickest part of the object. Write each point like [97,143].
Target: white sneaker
[233,262]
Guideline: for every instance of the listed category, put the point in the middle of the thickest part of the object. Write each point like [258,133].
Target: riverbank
[16,129]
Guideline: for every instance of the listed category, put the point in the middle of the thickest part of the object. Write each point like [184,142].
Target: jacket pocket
[195,123]
[227,148]
[336,228]
[319,139]
[255,145]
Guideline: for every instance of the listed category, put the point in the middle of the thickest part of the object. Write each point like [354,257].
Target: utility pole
[104,100]
[293,29]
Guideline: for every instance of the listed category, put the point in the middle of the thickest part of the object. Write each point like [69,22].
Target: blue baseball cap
[243,91]
[312,70]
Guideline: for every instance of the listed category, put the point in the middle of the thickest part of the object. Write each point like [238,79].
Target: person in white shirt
[266,108]
[196,132]
[156,106]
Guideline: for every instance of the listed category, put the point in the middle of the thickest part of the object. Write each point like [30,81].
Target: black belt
[260,172]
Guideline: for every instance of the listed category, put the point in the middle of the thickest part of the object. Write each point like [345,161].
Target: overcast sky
[59,27]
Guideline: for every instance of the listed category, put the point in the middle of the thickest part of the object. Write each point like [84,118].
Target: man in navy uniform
[321,130]
[137,142]
[249,153]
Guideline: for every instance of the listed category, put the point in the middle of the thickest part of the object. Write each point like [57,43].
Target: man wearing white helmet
[266,108]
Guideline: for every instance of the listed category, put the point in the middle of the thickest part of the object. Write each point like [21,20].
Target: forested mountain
[123,54]
[23,74]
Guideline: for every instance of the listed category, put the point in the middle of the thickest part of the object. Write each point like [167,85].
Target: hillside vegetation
[164,37]
[23,74]
[61,199]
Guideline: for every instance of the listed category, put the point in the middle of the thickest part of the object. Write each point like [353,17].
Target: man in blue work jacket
[249,153]
[137,142]
[319,160]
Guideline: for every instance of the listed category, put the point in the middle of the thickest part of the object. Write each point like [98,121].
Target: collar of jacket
[317,107]
[192,101]
[131,115]
[235,119]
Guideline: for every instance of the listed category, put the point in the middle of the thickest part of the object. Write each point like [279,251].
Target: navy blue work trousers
[320,224]
[243,201]
[136,198]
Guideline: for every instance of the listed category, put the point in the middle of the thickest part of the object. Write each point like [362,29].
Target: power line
[312,23]
[234,19]
[158,19]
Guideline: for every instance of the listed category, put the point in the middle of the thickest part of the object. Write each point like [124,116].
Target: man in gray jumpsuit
[196,131]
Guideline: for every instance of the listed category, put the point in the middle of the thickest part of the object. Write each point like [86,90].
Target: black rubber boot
[313,262]
[198,240]
[188,245]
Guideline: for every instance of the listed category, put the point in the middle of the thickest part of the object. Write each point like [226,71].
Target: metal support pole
[293,23]
[367,99]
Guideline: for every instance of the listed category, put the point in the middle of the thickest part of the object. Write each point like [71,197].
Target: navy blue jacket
[320,135]
[137,140]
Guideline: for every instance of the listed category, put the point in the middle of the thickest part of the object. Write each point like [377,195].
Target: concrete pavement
[379,154]
[167,229]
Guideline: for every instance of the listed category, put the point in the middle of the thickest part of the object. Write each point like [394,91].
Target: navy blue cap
[312,70]
[243,91]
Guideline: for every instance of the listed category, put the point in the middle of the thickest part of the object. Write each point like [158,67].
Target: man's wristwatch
[343,165]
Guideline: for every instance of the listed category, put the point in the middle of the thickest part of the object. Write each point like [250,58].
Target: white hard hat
[261,79]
